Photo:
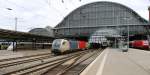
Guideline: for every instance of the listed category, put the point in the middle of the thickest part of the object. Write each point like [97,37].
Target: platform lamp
[16,19]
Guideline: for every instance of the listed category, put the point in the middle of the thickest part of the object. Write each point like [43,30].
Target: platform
[5,54]
[116,62]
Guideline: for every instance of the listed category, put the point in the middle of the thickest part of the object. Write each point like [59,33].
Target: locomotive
[140,41]
[60,46]
[140,44]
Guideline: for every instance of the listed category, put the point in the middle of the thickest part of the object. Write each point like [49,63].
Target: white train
[60,46]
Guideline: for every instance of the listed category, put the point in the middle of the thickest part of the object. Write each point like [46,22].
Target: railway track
[65,69]
[24,60]
[7,67]
[44,65]
[3,60]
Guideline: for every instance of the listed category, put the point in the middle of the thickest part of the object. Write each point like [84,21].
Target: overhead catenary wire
[55,9]
[27,9]
[16,5]
[47,1]
[24,8]
[71,1]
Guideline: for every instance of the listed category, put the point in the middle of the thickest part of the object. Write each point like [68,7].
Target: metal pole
[16,46]
[128,36]
[13,45]
[16,20]
[117,29]
[115,43]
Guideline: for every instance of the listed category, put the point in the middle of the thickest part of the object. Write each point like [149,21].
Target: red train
[140,41]
[140,44]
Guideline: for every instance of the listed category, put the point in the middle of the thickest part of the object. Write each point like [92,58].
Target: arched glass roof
[102,35]
[85,20]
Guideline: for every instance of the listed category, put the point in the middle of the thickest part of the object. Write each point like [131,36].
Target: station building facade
[87,19]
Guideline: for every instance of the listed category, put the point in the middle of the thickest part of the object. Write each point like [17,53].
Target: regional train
[140,42]
[60,46]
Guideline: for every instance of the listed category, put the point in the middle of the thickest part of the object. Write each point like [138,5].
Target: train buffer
[116,62]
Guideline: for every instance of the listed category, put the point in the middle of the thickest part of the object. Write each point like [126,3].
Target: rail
[24,65]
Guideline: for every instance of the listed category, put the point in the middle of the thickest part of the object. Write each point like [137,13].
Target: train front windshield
[56,44]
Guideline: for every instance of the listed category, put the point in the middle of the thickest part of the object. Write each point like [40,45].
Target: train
[60,46]
[23,45]
[140,42]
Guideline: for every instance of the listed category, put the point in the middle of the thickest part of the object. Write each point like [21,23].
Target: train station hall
[103,20]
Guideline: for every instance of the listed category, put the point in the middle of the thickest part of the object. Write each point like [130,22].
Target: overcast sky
[40,13]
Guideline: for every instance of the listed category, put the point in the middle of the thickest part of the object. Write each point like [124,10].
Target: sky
[41,13]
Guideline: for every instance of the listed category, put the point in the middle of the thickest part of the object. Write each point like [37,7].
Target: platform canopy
[101,35]
[10,35]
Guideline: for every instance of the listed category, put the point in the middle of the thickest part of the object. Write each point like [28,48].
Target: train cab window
[63,43]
